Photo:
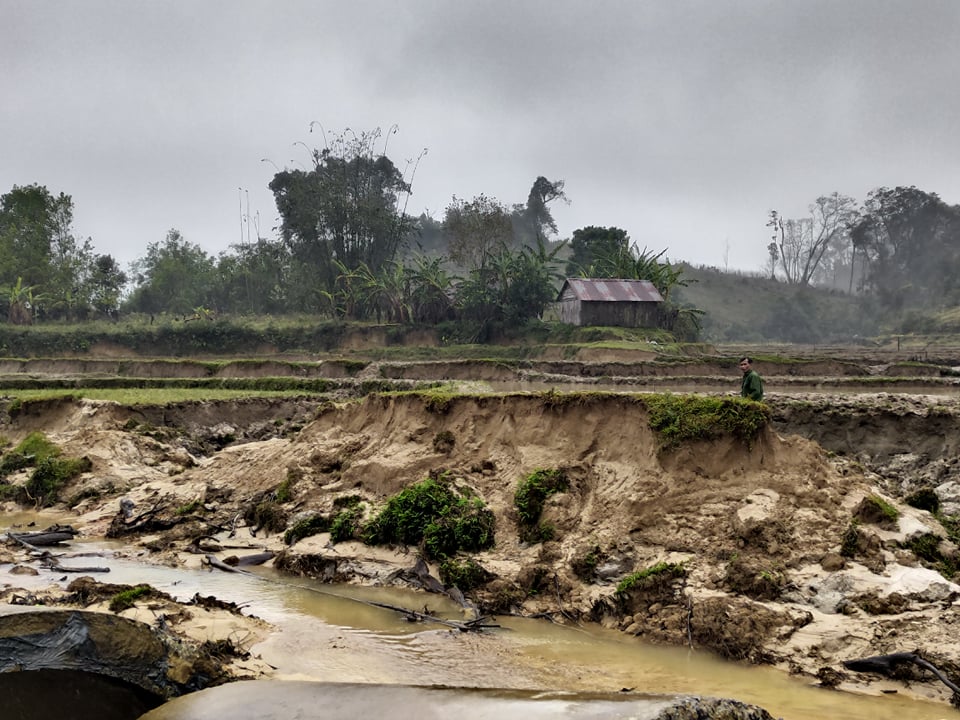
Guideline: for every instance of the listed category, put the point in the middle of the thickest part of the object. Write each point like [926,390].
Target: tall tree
[476,230]
[175,276]
[106,283]
[534,220]
[349,209]
[910,240]
[802,243]
[37,244]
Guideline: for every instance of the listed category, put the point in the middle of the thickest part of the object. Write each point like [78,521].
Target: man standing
[751,386]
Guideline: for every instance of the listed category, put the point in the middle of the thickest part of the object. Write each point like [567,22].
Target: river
[331,633]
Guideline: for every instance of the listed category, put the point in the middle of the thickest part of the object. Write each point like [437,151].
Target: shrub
[312,525]
[266,515]
[924,499]
[584,564]
[465,574]
[435,513]
[50,476]
[443,442]
[851,540]
[529,497]
[346,524]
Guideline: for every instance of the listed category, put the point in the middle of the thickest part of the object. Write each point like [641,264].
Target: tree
[37,244]
[253,278]
[802,243]
[348,210]
[534,220]
[106,285]
[476,230]
[590,243]
[175,276]
[511,286]
[910,241]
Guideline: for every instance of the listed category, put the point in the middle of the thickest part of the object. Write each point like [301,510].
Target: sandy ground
[741,518]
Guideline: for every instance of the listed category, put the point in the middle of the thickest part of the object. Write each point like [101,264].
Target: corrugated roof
[612,290]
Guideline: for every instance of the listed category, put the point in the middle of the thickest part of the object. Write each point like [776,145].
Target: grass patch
[438,515]
[682,418]
[651,577]
[464,574]
[127,598]
[313,525]
[874,510]
[531,493]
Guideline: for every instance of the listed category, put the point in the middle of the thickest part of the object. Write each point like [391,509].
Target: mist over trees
[901,247]
[346,248]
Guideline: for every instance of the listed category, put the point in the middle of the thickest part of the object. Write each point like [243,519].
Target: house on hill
[621,303]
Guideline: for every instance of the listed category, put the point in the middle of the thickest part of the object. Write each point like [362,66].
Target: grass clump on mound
[531,493]
[50,471]
[680,418]
[655,575]
[434,513]
[127,598]
[465,574]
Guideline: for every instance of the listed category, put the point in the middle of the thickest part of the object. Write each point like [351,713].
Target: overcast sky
[682,121]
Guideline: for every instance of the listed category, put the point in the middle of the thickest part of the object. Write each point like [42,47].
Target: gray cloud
[682,122]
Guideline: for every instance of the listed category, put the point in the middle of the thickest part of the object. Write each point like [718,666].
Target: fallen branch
[886,664]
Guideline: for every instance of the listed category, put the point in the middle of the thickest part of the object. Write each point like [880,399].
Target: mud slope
[755,529]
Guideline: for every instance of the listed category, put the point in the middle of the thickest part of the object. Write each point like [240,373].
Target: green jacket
[752,386]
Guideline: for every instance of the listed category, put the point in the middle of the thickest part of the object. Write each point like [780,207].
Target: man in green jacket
[751,386]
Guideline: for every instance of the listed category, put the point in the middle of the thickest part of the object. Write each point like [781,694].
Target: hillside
[747,308]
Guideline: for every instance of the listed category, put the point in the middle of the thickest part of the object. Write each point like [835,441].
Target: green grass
[650,576]
[433,512]
[529,497]
[146,396]
[682,418]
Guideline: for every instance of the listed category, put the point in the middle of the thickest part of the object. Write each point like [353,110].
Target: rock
[833,561]
[23,570]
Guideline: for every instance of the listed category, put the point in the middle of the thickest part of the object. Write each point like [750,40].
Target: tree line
[345,248]
[901,246]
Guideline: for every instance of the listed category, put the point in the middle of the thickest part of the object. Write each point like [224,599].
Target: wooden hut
[621,303]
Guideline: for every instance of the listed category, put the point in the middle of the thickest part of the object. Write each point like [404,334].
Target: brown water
[330,633]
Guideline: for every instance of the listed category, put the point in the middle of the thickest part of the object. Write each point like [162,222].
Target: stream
[331,633]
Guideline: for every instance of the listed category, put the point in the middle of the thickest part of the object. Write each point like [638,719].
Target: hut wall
[618,314]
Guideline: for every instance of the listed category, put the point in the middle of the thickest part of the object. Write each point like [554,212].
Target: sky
[684,122]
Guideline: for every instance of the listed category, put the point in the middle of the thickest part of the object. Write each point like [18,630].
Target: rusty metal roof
[612,290]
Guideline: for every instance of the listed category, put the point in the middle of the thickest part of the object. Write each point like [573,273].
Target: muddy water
[331,633]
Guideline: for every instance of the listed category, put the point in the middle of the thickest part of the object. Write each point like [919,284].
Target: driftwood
[413,615]
[887,664]
[53,535]
[248,560]
[52,562]
[213,562]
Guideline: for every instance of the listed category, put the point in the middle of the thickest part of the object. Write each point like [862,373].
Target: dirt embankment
[751,534]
